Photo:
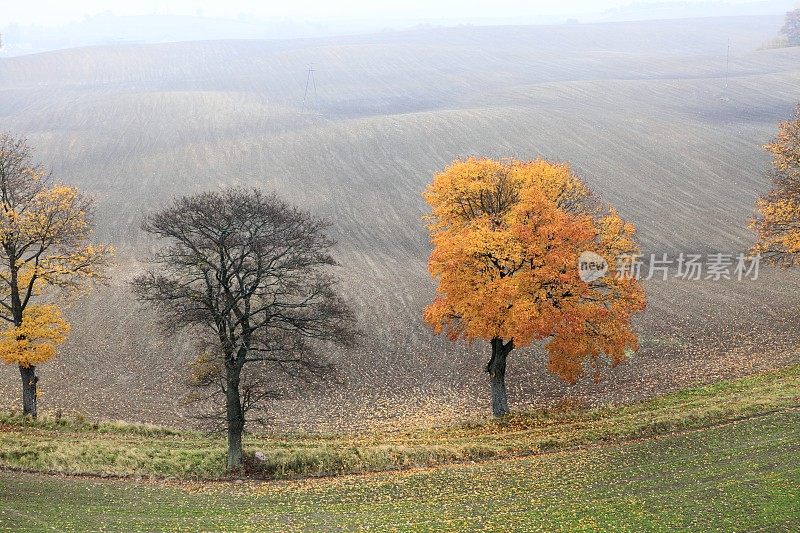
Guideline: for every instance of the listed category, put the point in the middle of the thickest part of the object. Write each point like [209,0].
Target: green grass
[119,449]
[743,476]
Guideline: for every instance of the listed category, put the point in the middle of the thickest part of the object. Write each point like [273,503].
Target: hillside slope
[644,111]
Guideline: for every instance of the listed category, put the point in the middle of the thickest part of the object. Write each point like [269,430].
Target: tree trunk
[497,375]
[29,380]
[235,419]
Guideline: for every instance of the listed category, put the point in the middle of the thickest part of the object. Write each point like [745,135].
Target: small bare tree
[253,273]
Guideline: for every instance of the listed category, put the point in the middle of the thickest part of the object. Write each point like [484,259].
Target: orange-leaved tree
[45,230]
[507,237]
[778,222]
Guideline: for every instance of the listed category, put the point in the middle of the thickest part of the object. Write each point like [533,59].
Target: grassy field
[743,476]
[120,449]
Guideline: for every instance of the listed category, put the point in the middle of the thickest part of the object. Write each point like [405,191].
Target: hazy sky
[57,12]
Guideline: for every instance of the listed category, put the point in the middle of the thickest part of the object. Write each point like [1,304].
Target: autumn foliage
[507,236]
[778,222]
[45,251]
[34,341]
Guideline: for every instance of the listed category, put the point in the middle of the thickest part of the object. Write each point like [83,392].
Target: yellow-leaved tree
[778,221]
[45,252]
[507,237]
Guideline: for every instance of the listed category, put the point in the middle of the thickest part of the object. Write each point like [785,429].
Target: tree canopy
[777,223]
[251,275]
[791,28]
[45,244]
[507,236]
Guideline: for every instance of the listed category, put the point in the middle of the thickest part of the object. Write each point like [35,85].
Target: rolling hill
[647,112]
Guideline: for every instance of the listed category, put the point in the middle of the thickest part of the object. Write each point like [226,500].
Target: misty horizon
[25,30]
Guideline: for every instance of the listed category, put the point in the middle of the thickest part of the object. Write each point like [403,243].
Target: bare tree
[262,381]
[252,272]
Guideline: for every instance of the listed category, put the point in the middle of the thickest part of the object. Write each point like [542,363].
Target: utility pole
[728,64]
[312,84]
